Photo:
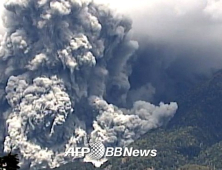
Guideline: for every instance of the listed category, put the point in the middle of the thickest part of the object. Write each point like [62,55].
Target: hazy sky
[174,20]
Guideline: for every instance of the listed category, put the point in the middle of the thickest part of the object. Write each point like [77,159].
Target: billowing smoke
[65,67]
[180,45]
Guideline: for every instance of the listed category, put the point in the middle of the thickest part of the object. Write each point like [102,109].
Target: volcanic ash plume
[64,80]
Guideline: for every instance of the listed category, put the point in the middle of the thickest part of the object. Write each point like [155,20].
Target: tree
[9,162]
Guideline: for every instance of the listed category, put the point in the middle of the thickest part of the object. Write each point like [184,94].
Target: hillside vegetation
[191,141]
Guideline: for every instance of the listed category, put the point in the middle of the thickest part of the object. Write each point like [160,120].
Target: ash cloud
[65,67]
[180,45]
[171,70]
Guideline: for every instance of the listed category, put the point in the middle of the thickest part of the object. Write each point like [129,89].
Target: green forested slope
[191,141]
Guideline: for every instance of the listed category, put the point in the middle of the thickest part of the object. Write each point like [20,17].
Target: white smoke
[66,66]
[114,125]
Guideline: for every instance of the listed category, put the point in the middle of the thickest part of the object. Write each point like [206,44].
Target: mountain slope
[202,107]
[192,140]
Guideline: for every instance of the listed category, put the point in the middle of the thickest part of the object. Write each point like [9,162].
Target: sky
[174,20]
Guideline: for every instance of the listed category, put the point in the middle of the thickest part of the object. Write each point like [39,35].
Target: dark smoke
[65,68]
[167,71]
